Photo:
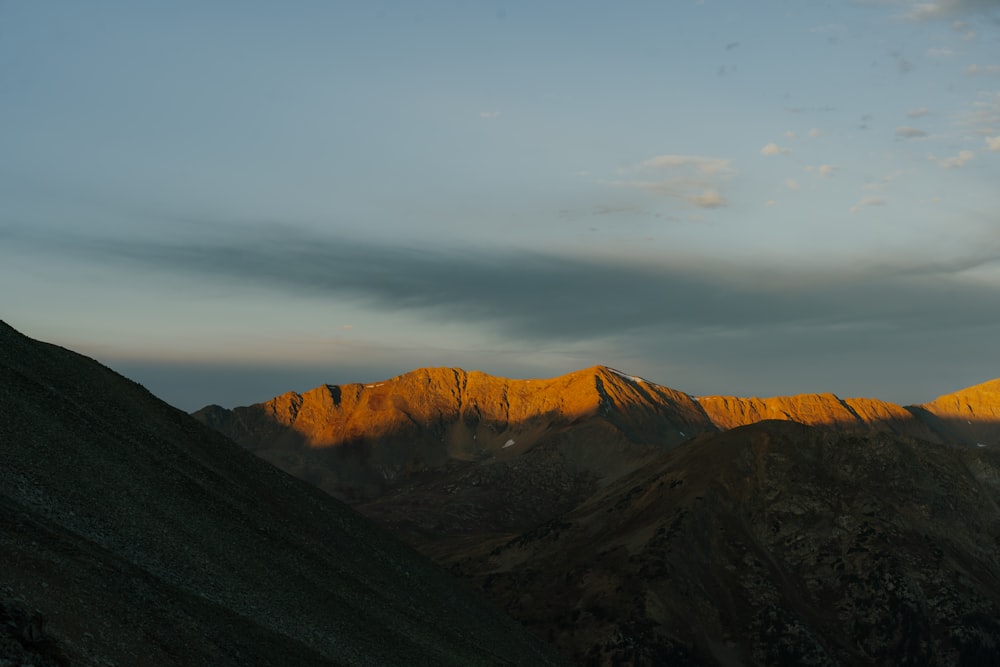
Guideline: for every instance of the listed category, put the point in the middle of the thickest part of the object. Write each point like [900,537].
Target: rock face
[362,442]
[972,415]
[857,415]
[454,460]
[131,534]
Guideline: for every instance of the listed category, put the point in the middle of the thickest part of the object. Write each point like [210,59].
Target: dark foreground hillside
[132,535]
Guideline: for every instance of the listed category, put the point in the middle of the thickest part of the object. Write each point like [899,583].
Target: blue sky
[228,200]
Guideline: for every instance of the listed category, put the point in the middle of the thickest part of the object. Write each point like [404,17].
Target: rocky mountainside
[357,440]
[771,544]
[131,534]
[448,458]
[634,524]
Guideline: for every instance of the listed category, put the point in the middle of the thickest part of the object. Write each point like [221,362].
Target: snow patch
[633,378]
[507,444]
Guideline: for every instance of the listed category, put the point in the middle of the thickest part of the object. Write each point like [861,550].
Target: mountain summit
[358,440]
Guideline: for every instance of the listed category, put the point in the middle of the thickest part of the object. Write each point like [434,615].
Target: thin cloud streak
[550,297]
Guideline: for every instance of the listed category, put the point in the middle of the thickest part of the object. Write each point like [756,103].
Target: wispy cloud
[917,113]
[552,297]
[489,114]
[939,52]
[693,179]
[792,184]
[953,162]
[907,132]
[942,10]
[984,117]
[989,70]
[774,149]
[822,169]
[884,183]
[866,202]
[707,199]
[993,143]
[705,165]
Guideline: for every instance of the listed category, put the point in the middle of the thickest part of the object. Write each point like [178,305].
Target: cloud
[993,143]
[815,132]
[866,202]
[700,322]
[944,10]
[955,161]
[984,117]
[489,114]
[917,113]
[772,202]
[907,132]
[557,298]
[705,165]
[822,170]
[990,70]
[792,184]
[707,199]
[774,149]
[694,179]
[939,53]
[883,183]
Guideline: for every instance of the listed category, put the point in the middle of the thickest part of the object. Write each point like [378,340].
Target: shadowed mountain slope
[455,461]
[144,538]
[771,544]
[633,524]
[452,460]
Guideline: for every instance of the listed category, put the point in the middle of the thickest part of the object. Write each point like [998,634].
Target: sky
[225,201]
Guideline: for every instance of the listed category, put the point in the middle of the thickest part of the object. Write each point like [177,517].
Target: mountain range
[618,521]
[131,534]
[631,523]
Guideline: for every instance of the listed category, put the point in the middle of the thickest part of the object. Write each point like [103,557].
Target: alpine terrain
[630,523]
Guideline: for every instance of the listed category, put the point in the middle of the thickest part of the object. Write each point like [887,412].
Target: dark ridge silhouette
[131,534]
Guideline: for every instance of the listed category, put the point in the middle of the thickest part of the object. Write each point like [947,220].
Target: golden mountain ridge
[479,412]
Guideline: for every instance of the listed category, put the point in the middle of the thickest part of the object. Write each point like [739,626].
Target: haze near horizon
[227,202]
